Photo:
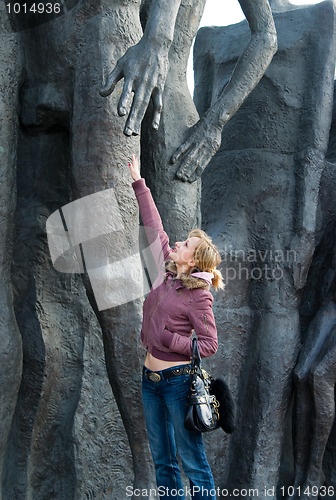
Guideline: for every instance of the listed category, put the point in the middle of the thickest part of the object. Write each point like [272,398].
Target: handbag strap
[196,358]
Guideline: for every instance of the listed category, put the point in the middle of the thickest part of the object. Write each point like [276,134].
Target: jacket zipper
[206,322]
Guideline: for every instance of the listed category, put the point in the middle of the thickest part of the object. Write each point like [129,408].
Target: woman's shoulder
[200,299]
[199,292]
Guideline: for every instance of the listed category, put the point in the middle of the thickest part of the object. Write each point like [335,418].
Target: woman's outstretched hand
[135,168]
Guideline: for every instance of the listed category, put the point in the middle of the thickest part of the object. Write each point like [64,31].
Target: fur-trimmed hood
[188,280]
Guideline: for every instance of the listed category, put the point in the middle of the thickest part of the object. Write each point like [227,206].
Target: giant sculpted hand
[144,69]
[204,138]
[202,142]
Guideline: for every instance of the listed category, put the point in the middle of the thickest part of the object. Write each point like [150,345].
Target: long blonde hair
[207,257]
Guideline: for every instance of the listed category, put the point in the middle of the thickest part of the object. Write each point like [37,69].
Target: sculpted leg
[51,316]
[315,341]
[302,425]
[100,161]
[273,376]
[10,339]
[324,377]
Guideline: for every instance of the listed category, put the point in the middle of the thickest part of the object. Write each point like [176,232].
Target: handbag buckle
[154,377]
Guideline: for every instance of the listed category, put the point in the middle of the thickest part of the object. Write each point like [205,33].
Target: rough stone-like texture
[68,439]
[52,453]
[10,339]
[313,296]
[102,455]
[77,431]
[260,195]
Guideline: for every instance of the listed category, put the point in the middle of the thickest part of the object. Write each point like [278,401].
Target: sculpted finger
[201,164]
[187,174]
[197,173]
[138,110]
[157,101]
[125,97]
[188,166]
[111,82]
[180,151]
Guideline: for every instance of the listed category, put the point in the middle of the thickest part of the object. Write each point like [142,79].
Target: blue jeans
[164,406]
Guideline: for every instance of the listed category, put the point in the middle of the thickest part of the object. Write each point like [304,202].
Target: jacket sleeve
[202,319]
[150,215]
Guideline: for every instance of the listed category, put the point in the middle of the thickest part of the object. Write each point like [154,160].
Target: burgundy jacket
[175,307]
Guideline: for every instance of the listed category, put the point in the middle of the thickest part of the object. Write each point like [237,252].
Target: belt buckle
[154,377]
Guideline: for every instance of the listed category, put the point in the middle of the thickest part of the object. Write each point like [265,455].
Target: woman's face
[184,250]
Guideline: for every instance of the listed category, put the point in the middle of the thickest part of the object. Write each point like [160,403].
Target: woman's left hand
[135,168]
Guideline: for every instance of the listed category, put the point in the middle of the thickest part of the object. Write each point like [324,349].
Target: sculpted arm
[205,137]
[144,67]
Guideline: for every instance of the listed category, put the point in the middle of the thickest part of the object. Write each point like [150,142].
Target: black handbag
[210,404]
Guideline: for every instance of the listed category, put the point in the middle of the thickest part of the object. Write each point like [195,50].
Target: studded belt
[165,374]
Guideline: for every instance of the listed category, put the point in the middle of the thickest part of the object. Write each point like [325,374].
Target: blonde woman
[181,304]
